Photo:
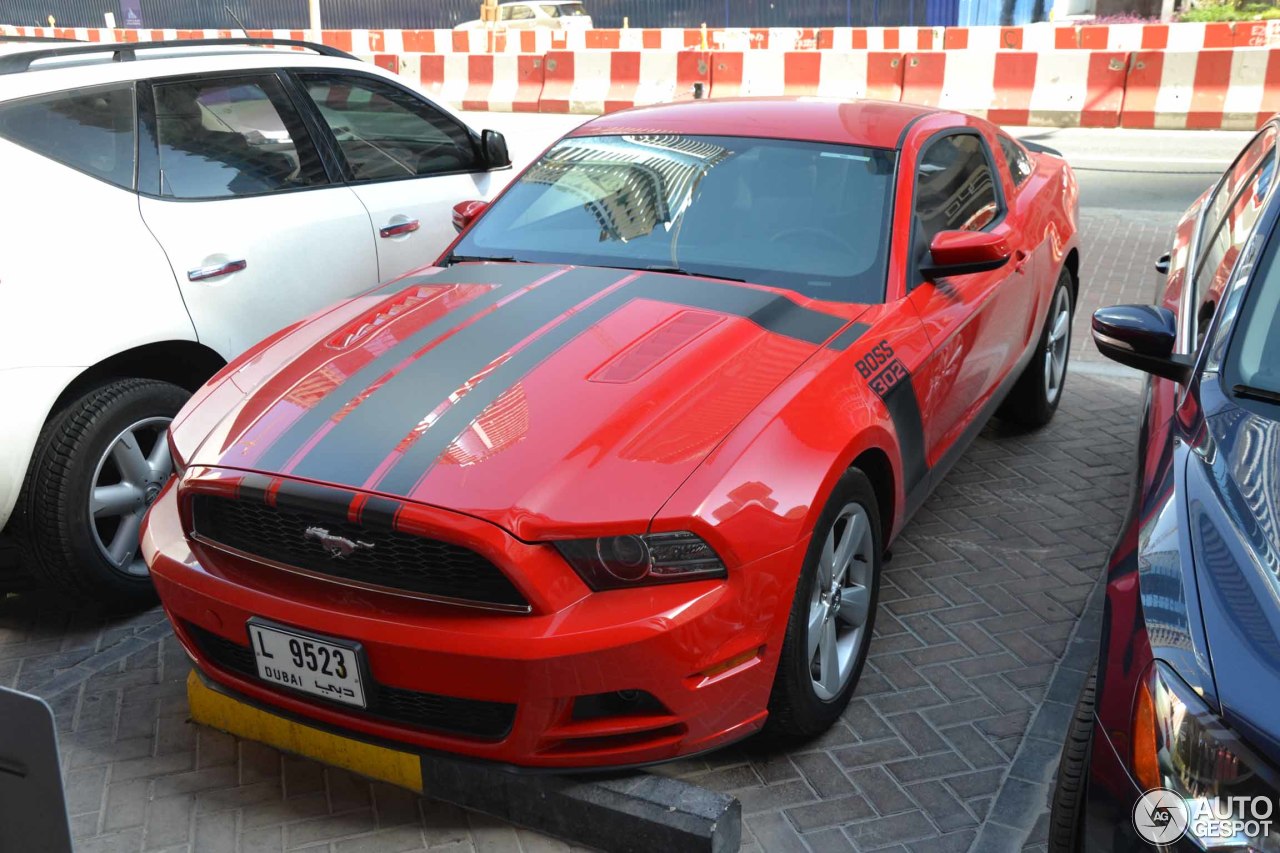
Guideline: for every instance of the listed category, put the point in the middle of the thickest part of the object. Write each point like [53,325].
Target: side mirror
[493,148]
[1142,336]
[964,252]
[466,212]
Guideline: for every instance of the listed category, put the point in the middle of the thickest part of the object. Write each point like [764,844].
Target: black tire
[1066,811]
[1031,401]
[52,523]
[795,709]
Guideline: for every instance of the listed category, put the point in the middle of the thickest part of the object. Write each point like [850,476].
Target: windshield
[1253,357]
[808,217]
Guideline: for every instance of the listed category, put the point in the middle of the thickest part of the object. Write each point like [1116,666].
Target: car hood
[1233,512]
[538,397]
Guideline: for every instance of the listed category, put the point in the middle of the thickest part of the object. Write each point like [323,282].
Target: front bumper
[706,651]
[1111,796]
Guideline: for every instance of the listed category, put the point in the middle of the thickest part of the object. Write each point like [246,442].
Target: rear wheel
[1066,812]
[1035,397]
[832,615]
[98,465]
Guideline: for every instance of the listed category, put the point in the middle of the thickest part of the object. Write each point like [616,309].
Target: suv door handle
[1162,264]
[1020,262]
[398,228]
[201,273]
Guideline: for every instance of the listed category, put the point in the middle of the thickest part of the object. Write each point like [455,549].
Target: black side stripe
[775,313]
[355,448]
[275,456]
[904,410]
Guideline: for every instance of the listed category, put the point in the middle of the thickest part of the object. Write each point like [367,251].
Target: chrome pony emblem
[339,547]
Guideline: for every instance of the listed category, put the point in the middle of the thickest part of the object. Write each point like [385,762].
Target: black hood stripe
[849,336]
[356,446]
[514,277]
[771,311]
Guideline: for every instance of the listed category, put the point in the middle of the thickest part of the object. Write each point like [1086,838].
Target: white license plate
[322,667]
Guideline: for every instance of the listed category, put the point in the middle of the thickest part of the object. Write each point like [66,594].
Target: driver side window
[386,133]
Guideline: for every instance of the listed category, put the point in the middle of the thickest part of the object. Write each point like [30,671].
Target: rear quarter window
[90,130]
[1020,165]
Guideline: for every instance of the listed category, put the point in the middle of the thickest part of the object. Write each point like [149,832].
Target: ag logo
[338,547]
[1160,816]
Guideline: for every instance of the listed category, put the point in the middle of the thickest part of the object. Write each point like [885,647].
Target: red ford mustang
[613,481]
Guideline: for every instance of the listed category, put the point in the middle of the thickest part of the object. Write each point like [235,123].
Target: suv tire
[98,464]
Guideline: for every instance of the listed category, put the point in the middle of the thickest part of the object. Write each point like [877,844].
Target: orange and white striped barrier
[501,82]
[826,73]
[1065,88]
[599,81]
[880,38]
[1035,37]
[1206,89]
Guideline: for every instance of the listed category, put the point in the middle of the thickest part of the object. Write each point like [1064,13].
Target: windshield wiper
[462,259]
[1250,392]
[682,271]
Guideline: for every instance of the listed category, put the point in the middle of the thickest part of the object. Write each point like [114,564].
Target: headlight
[1181,745]
[615,562]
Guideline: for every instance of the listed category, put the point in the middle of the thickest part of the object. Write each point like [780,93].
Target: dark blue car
[1177,741]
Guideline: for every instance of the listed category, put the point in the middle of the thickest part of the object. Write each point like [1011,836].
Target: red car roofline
[873,124]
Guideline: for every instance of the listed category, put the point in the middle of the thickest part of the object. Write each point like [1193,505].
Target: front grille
[447,714]
[387,558]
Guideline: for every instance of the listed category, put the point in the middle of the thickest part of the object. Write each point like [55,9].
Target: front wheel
[1035,397]
[1066,810]
[98,465]
[832,615]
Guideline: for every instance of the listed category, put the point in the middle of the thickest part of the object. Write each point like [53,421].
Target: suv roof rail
[16,62]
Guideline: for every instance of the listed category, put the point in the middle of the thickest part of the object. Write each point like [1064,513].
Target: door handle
[201,273]
[1020,262]
[1162,264]
[398,228]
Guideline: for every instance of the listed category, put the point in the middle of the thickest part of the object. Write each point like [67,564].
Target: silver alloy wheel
[840,602]
[127,480]
[1055,351]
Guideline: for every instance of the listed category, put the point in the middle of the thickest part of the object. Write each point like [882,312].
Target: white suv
[160,216]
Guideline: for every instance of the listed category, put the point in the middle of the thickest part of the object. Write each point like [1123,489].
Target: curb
[633,812]
[1024,794]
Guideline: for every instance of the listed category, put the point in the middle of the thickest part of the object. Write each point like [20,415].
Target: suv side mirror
[1142,336]
[493,148]
[964,252]
[466,212]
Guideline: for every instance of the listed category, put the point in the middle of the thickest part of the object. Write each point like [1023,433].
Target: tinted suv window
[231,137]
[385,132]
[1020,166]
[955,188]
[90,130]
